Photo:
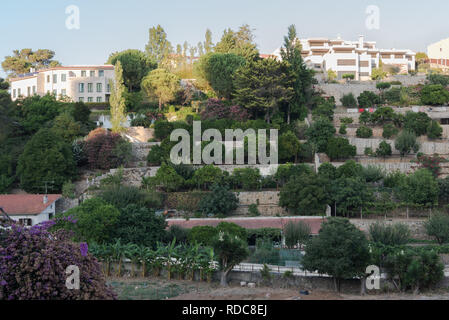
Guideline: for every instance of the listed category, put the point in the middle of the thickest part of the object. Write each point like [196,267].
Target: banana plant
[145,257]
[132,253]
[118,251]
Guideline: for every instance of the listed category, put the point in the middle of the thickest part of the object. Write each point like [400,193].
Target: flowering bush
[33,264]
[431,163]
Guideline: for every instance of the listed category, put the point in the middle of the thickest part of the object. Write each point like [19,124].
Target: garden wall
[416,227]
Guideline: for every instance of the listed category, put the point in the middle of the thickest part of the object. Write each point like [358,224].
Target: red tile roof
[250,223]
[29,204]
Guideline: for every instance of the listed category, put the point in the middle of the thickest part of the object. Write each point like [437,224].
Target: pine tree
[208,45]
[117,100]
[291,52]
[158,47]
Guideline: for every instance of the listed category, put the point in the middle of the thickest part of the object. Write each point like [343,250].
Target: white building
[78,83]
[438,53]
[29,209]
[352,57]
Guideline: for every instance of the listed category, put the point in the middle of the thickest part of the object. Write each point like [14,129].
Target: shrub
[389,235]
[365,117]
[438,227]
[265,234]
[217,109]
[220,201]
[342,129]
[434,94]
[434,130]
[68,190]
[206,176]
[319,133]
[232,229]
[349,101]
[289,146]
[296,233]
[253,211]
[364,132]
[384,150]
[340,148]
[368,151]
[417,122]
[46,257]
[348,76]
[167,178]
[162,129]
[106,150]
[368,99]
[95,221]
[372,173]
[121,196]
[177,232]
[287,171]
[406,142]
[383,85]
[183,201]
[246,178]
[389,131]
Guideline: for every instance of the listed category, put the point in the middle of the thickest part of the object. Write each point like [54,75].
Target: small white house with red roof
[29,209]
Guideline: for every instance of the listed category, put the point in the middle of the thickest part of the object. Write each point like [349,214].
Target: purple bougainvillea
[33,264]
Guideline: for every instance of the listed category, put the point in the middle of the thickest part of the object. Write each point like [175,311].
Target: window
[81,99]
[63,77]
[19,93]
[14,93]
[92,73]
[99,87]
[63,92]
[48,79]
[83,73]
[55,92]
[90,99]
[99,99]
[55,78]
[90,87]
[81,87]
[26,222]
[29,91]
[101,73]
[34,89]
[108,87]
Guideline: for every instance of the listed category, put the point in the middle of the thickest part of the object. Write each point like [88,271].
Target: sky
[107,26]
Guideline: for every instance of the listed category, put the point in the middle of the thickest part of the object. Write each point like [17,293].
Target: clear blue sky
[109,25]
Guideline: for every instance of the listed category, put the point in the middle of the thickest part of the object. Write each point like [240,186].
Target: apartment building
[352,57]
[76,83]
[438,54]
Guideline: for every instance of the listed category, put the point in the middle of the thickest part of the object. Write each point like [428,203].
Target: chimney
[361,41]
[45,199]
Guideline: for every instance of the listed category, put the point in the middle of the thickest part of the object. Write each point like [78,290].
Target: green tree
[162,84]
[117,100]
[136,66]
[167,178]
[263,84]
[406,142]
[364,132]
[303,76]
[158,48]
[230,250]
[95,220]
[384,150]
[46,157]
[319,133]
[306,194]
[289,146]
[23,60]
[438,227]
[417,122]
[368,99]
[420,188]
[339,149]
[220,69]
[239,42]
[139,225]
[434,94]
[220,201]
[208,44]
[351,195]
[389,235]
[340,250]
[434,130]
[349,101]
[66,127]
